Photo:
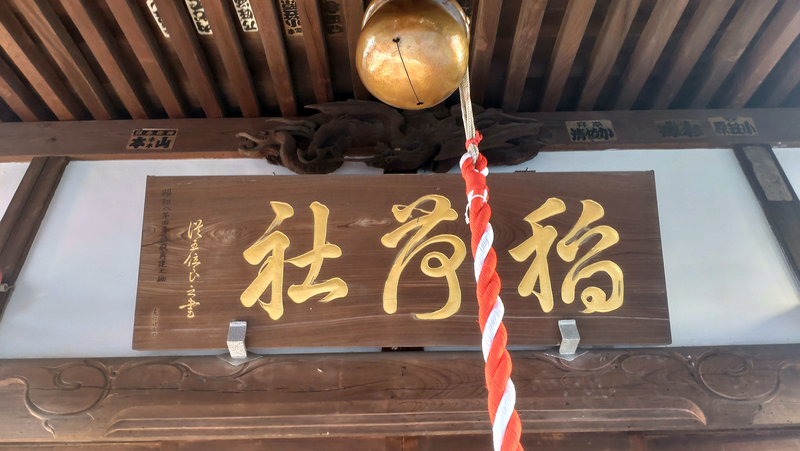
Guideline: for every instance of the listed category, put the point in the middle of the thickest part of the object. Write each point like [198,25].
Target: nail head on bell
[412,54]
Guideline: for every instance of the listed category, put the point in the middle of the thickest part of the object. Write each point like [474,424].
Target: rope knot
[476,140]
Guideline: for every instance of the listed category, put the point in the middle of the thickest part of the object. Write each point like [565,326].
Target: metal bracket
[5,288]
[570,338]
[238,354]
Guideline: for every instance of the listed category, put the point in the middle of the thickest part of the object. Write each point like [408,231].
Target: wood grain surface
[716,392]
[236,212]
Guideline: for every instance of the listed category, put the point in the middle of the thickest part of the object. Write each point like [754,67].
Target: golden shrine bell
[412,54]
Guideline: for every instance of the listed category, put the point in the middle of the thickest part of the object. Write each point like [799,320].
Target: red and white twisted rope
[506,426]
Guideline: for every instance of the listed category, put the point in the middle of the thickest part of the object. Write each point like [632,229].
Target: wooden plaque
[346,261]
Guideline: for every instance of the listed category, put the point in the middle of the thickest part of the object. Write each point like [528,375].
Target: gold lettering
[322,249]
[540,243]
[447,266]
[593,298]
[271,272]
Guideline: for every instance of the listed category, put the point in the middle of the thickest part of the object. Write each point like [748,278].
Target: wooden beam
[20,199]
[21,100]
[604,53]
[133,25]
[107,53]
[230,49]
[651,43]
[271,32]
[26,56]
[316,49]
[519,63]
[570,35]
[216,138]
[23,232]
[749,18]
[704,24]
[353,15]
[776,196]
[183,37]
[768,50]
[68,57]
[786,77]
[486,18]
[412,394]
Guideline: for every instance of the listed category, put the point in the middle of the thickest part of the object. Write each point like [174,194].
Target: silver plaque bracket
[237,352]
[570,338]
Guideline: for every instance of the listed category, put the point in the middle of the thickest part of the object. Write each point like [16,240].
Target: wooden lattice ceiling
[110,59]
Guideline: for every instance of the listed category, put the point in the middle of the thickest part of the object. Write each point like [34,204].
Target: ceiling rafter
[768,50]
[786,78]
[184,40]
[130,20]
[704,23]
[68,57]
[519,63]
[271,33]
[486,18]
[570,35]
[749,18]
[316,49]
[18,97]
[30,61]
[230,49]
[648,49]
[353,15]
[606,49]
[105,49]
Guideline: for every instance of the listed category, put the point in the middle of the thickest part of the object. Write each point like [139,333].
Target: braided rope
[506,426]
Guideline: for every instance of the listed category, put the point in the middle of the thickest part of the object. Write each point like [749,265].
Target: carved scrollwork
[700,387]
[396,141]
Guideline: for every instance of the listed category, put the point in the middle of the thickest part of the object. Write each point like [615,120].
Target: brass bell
[412,54]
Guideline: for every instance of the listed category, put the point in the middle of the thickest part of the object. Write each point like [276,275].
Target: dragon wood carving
[395,141]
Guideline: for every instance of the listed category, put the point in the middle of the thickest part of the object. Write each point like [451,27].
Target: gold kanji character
[594,298]
[271,272]
[447,265]
[540,243]
[322,249]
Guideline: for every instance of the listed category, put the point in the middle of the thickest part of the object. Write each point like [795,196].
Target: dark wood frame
[639,399]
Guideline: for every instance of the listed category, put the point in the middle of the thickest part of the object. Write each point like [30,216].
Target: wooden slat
[777,198]
[68,57]
[353,15]
[486,20]
[271,31]
[729,49]
[216,138]
[107,53]
[787,77]
[132,23]
[604,53]
[705,22]
[316,49]
[26,56]
[528,25]
[184,40]
[651,43]
[569,39]
[20,198]
[18,97]
[19,242]
[766,53]
[230,49]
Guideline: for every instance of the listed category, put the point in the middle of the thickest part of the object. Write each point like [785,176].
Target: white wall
[727,282]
